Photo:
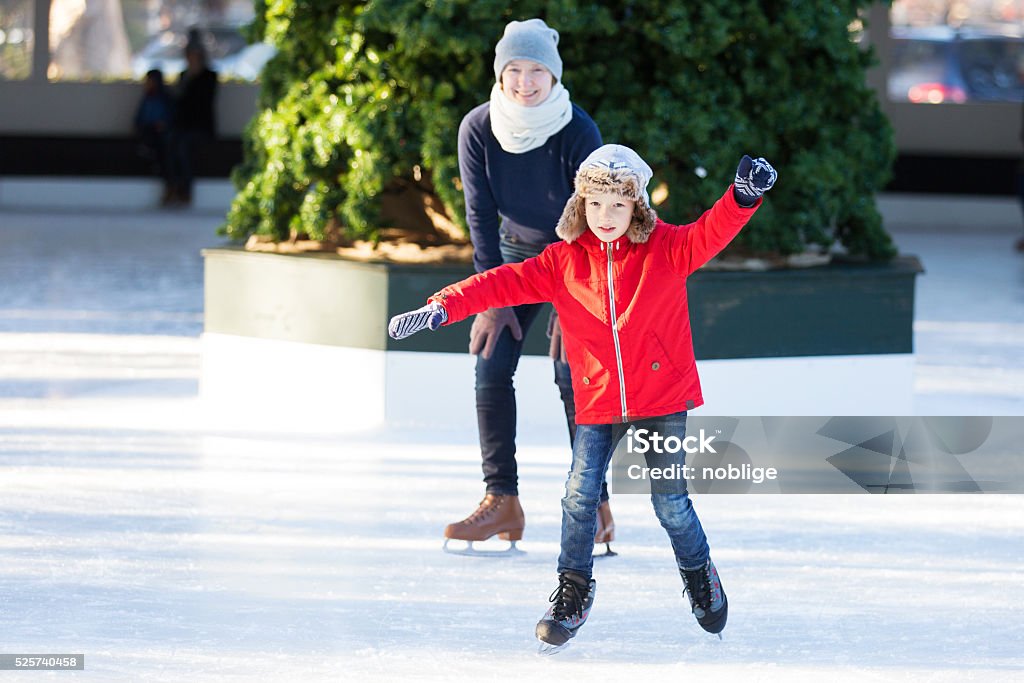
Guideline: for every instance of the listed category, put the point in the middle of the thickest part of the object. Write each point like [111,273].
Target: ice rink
[136,530]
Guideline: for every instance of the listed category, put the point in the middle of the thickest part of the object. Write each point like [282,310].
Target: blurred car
[940,64]
[228,54]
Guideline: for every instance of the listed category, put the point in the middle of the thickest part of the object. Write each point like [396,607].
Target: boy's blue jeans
[591,454]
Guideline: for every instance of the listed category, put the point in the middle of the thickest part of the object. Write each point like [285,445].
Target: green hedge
[363,101]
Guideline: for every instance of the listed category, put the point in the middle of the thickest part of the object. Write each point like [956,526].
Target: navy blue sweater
[523,193]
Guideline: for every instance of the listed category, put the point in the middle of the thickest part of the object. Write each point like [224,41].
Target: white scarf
[520,129]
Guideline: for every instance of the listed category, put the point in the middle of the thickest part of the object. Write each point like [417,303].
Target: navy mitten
[754,177]
[430,316]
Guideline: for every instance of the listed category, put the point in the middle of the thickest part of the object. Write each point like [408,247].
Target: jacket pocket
[660,368]
[590,379]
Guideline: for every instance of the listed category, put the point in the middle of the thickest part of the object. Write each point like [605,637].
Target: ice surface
[137,532]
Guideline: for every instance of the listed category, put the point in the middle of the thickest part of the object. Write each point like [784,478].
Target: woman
[518,155]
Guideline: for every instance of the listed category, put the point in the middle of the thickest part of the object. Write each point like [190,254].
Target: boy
[618,282]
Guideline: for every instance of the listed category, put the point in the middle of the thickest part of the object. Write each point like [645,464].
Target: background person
[153,125]
[194,118]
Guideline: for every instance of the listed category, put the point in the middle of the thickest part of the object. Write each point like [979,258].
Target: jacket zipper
[615,337]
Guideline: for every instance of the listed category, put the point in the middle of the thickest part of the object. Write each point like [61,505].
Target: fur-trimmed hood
[616,169]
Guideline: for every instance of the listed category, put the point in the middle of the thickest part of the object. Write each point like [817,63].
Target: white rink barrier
[270,385]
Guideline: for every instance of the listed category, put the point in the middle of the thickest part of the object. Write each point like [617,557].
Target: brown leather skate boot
[605,529]
[499,515]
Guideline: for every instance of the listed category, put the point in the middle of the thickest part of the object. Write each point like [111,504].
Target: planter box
[838,309]
[836,337]
[324,299]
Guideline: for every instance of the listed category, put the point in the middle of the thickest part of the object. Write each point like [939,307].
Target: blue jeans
[591,454]
[496,395]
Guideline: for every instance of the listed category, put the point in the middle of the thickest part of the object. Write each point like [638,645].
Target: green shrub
[364,99]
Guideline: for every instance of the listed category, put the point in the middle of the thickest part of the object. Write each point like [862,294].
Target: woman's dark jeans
[496,396]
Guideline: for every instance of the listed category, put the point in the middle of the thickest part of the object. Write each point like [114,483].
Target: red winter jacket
[642,365]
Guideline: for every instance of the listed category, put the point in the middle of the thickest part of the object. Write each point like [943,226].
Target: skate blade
[547,649]
[607,553]
[470,551]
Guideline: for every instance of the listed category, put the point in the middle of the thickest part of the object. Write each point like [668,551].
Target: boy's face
[526,83]
[608,215]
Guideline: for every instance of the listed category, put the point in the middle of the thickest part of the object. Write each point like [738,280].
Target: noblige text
[729,472]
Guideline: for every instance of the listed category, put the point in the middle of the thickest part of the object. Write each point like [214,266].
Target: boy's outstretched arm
[405,325]
[700,241]
[528,282]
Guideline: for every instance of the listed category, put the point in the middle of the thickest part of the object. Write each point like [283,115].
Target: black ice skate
[570,607]
[707,597]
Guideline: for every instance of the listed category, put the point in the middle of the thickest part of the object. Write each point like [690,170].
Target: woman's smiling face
[526,83]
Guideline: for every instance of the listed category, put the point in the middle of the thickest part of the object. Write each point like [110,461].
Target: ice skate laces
[698,585]
[486,508]
[568,599]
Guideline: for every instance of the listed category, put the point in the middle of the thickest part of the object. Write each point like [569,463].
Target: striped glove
[754,177]
[405,325]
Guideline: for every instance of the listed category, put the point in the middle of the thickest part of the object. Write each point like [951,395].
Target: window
[16,39]
[956,52]
[123,39]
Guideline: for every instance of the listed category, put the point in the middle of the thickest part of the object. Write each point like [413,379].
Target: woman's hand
[487,327]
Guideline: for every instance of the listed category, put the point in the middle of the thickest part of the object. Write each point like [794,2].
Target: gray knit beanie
[531,39]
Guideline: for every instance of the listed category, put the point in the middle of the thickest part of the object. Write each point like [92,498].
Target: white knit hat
[616,169]
[615,157]
[531,39]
